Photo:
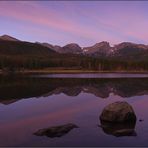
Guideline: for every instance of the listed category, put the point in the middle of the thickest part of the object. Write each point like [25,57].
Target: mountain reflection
[15,88]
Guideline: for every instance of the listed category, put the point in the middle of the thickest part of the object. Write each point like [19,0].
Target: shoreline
[70,71]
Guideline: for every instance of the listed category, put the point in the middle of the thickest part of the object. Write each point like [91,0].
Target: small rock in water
[56,131]
[141,120]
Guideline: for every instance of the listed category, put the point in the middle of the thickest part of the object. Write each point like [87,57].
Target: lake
[30,103]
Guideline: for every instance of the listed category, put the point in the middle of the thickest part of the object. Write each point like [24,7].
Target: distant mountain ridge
[103,49]
[17,55]
[8,47]
[8,38]
[99,49]
[72,48]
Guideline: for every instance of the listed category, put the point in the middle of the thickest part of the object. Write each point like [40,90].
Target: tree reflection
[15,88]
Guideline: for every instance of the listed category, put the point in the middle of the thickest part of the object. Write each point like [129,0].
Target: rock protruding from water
[118,119]
[118,112]
[56,131]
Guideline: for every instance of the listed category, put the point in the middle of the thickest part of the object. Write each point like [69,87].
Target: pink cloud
[112,23]
[41,16]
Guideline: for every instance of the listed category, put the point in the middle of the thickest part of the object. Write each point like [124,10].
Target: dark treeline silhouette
[69,61]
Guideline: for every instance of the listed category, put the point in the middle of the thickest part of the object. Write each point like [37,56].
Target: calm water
[28,104]
[95,75]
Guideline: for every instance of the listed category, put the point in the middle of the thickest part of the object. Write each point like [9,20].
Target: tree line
[70,61]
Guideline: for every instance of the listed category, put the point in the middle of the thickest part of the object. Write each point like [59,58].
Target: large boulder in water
[118,112]
[118,119]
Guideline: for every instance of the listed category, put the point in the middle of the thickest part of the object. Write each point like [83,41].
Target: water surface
[28,104]
[97,75]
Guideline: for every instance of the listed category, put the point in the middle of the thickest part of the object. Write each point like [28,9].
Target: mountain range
[103,49]
[123,50]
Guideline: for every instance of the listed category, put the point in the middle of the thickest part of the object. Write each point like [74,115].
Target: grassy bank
[66,71]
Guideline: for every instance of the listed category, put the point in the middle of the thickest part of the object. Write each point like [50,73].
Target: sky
[82,22]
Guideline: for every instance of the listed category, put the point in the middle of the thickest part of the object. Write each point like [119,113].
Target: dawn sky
[83,22]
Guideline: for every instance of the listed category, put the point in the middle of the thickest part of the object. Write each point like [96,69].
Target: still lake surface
[28,104]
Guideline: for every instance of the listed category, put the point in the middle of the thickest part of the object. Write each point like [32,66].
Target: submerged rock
[119,129]
[141,120]
[125,132]
[56,131]
[118,112]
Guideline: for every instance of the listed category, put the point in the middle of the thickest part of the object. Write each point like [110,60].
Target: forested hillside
[24,55]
